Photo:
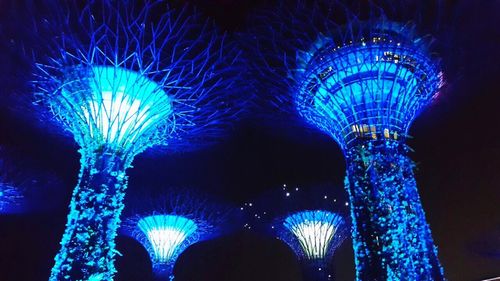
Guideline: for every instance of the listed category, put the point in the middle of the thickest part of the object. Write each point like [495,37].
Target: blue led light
[166,236]
[168,224]
[10,197]
[366,89]
[11,188]
[122,80]
[362,83]
[365,93]
[391,237]
[119,107]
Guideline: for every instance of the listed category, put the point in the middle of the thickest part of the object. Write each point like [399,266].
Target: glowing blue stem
[317,270]
[163,271]
[87,247]
[391,238]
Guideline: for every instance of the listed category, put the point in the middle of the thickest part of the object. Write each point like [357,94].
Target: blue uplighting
[371,87]
[166,237]
[168,224]
[362,83]
[121,108]
[122,79]
[10,197]
[365,92]
[11,188]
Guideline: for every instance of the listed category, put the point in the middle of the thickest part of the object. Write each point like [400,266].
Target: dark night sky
[456,142]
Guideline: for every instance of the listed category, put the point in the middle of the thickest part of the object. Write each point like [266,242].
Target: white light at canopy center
[123,105]
[166,234]
[314,235]
[165,241]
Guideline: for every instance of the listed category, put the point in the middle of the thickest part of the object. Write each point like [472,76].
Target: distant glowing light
[314,230]
[121,105]
[9,197]
[166,233]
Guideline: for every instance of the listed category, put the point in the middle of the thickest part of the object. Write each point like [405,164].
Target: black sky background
[457,149]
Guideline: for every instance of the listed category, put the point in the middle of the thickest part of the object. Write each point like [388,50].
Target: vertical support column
[391,238]
[88,244]
[317,270]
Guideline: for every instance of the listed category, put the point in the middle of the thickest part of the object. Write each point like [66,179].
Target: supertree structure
[121,77]
[12,186]
[362,82]
[311,221]
[23,187]
[10,195]
[167,225]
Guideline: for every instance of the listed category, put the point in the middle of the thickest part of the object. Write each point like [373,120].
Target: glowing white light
[165,234]
[314,230]
[121,105]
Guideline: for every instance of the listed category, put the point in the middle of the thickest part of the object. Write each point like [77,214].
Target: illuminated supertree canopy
[122,77]
[310,220]
[314,230]
[362,82]
[167,225]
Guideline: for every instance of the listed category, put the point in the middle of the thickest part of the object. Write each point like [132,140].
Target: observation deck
[368,88]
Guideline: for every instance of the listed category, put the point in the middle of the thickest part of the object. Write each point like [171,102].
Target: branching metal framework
[314,231]
[362,83]
[166,234]
[370,86]
[166,226]
[311,221]
[124,76]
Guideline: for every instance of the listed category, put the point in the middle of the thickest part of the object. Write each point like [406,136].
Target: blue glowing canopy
[113,106]
[370,87]
[167,236]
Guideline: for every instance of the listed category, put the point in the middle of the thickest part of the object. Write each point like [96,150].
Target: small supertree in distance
[12,185]
[10,195]
[167,224]
[310,220]
[121,77]
[362,82]
[23,187]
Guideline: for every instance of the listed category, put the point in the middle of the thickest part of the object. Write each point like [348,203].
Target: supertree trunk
[163,272]
[87,248]
[316,270]
[391,238]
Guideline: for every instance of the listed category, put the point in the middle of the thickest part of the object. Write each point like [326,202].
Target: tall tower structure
[364,92]
[363,83]
[122,77]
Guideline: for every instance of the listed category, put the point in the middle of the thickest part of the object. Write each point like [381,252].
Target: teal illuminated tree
[123,77]
[361,82]
[168,225]
[13,185]
[312,221]
[11,193]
